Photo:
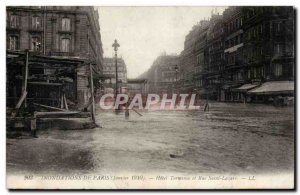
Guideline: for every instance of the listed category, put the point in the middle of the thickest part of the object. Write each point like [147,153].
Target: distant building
[247,54]
[234,67]
[215,57]
[109,71]
[201,67]
[188,61]
[137,86]
[161,77]
[66,32]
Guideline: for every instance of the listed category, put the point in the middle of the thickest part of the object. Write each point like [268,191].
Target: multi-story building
[246,54]
[268,49]
[60,32]
[162,76]
[201,56]
[234,67]
[215,53]
[188,61]
[137,86]
[259,48]
[109,71]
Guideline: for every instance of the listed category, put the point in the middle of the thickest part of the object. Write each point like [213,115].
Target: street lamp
[115,46]
[176,72]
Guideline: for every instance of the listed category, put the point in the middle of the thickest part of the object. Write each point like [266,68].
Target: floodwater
[230,138]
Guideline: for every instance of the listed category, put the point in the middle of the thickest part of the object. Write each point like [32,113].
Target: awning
[274,87]
[225,87]
[245,87]
[228,86]
[205,92]
[235,34]
[234,48]
[45,83]
[136,81]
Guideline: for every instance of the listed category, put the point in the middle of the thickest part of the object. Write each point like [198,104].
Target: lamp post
[115,46]
[176,72]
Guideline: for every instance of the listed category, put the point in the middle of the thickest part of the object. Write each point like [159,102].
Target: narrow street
[230,138]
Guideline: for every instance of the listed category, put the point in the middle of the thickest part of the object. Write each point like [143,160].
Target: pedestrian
[206,107]
[127,110]
[127,113]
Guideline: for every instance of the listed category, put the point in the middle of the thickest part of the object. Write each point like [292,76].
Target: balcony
[35,29]
[13,28]
[65,32]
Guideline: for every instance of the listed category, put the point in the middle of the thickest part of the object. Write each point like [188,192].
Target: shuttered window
[13,42]
[35,44]
[278,69]
[13,21]
[65,45]
[66,24]
[36,22]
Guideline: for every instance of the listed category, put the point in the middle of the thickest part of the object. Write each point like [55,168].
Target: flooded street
[230,138]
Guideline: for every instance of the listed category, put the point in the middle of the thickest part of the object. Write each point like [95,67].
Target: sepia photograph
[150,97]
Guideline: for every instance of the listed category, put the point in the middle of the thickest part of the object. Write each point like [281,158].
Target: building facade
[66,32]
[188,61]
[215,53]
[109,71]
[137,86]
[246,54]
[234,68]
[201,67]
[269,36]
[162,76]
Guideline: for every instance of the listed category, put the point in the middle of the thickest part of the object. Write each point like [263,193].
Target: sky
[144,33]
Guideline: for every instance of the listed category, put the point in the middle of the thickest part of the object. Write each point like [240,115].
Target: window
[278,49]
[278,69]
[254,32]
[13,21]
[200,59]
[231,59]
[13,43]
[238,39]
[261,29]
[66,24]
[35,44]
[258,71]
[239,76]
[36,22]
[249,74]
[289,49]
[65,45]
[277,27]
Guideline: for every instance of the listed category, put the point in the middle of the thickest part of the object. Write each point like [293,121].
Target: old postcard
[135,97]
